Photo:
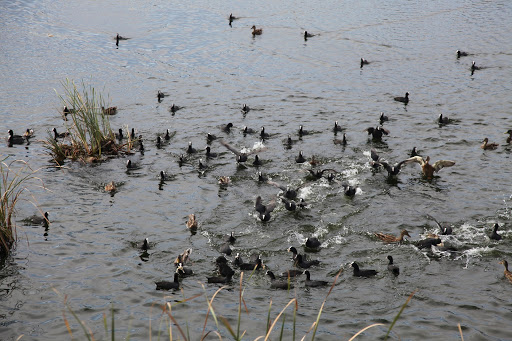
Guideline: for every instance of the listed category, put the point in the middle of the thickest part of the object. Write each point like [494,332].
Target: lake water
[211,69]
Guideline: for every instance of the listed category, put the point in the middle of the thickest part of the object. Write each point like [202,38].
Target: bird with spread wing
[428,169]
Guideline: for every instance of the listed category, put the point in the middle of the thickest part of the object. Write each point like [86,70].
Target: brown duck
[192,222]
[389,238]
[256,31]
[488,146]
[506,272]
[428,169]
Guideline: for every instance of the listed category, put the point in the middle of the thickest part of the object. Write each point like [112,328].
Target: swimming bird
[289,193]
[145,244]
[278,284]
[310,283]
[240,157]
[428,169]
[377,132]
[364,62]
[294,252]
[210,138]
[393,267]
[192,222]
[158,142]
[443,120]
[174,108]
[168,135]
[383,118]
[404,100]
[225,248]
[389,238]
[506,272]
[256,31]
[110,187]
[343,141]
[220,279]
[230,238]
[392,169]
[488,146]
[257,162]
[509,138]
[300,158]
[247,131]
[190,149]
[109,110]
[289,204]
[427,243]
[363,273]
[305,264]
[292,273]
[474,67]
[264,210]
[120,134]
[348,190]
[252,266]
[227,128]
[461,54]
[224,181]
[302,132]
[166,285]
[313,243]
[494,234]
[317,174]
[245,109]
[209,153]
[160,95]
[183,257]
[445,230]
[263,134]
[28,133]
[262,177]
[38,220]
[184,271]
[66,111]
[414,152]
[232,18]
[14,139]
[336,128]
[181,160]
[57,135]
[308,35]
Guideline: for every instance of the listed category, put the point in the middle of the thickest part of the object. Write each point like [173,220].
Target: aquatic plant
[88,133]
[12,185]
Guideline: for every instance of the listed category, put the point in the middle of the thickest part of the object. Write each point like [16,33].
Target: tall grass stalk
[323,303]
[90,135]
[399,313]
[12,184]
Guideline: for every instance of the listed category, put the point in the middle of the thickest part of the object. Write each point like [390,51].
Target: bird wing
[228,146]
[386,165]
[438,165]
[370,130]
[384,130]
[434,219]
[270,207]
[417,159]
[283,188]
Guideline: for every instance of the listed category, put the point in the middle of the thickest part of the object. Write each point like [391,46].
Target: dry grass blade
[210,308]
[460,331]
[399,313]
[323,303]
[365,328]
[169,313]
[277,318]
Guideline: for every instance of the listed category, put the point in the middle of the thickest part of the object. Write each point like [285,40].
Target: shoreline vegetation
[12,184]
[88,136]
[179,330]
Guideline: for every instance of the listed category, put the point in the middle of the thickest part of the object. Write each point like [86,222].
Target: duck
[220,279]
[184,271]
[289,193]
[364,62]
[428,169]
[383,118]
[305,264]
[377,132]
[256,31]
[183,257]
[264,210]
[192,222]
[389,238]
[509,138]
[427,243]
[300,158]
[224,181]
[337,128]
[404,100]
[240,157]
[310,283]
[190,149]
[209,153]
[160,95]
[278,284]
[110,187]
[363,273]
[506,272]
[14,139]
[225,248]
[393,267]
[461,54]
[494,234]
[37,220]
[302,132]
[109,110]
[342,142]
[313,243]
[308,35]
[28,133]
[57,135]
[167,285]
[488,146]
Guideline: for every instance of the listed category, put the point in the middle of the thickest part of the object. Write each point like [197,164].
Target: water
[188,51]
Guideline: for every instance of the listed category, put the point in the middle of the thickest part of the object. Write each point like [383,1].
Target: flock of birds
[287,195]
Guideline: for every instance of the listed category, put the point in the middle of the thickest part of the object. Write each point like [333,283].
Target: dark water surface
[188,51]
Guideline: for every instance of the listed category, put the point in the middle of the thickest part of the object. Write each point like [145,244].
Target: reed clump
[15,176]
[87,128]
